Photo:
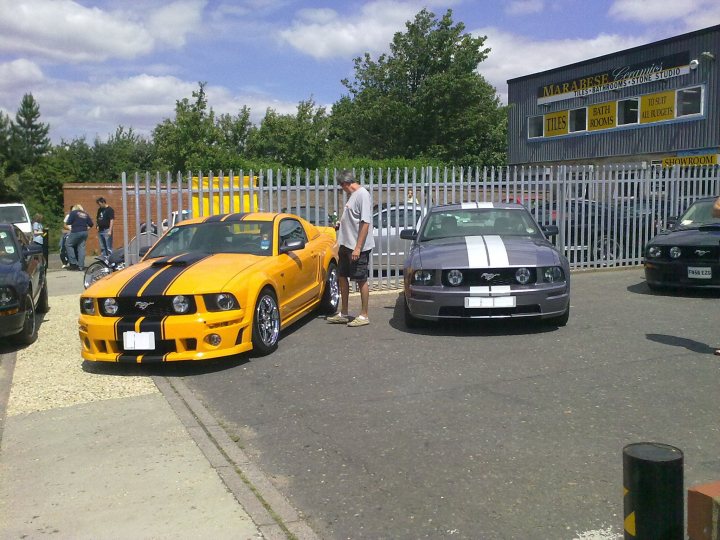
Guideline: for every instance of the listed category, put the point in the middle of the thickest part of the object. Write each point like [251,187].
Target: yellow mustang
[211,287]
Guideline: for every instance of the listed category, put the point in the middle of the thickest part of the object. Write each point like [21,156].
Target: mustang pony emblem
[143,305]
[488,276]
[701,252]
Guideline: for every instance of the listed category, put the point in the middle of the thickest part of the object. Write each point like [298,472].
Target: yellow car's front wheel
[266,323]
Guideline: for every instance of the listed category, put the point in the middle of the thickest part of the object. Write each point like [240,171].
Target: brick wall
[85,194]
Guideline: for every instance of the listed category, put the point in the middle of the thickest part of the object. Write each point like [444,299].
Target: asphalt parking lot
[477,430]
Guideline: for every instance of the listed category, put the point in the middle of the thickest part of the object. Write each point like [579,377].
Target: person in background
[104,222]
[38,229]
[79,222]
[356,242]
[63,241]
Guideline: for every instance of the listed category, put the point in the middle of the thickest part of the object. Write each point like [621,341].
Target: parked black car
[688,253]
[23,285]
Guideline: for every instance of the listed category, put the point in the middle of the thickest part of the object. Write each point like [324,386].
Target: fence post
[653,481]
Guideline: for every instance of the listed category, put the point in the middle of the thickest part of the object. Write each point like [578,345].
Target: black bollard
[653,480]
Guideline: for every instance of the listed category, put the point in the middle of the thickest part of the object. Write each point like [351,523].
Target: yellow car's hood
[193,273]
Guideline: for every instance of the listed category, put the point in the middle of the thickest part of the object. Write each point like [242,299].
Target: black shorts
[355,270]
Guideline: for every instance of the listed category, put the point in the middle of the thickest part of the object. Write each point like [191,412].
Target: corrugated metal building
[654,104]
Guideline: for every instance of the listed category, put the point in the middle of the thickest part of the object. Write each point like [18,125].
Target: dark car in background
[317,215]
[594,232]
[687,255]
[23,285]
[484,261]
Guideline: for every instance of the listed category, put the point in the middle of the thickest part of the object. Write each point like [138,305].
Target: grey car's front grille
[490,276]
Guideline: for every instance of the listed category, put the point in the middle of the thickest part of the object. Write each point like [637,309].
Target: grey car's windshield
[246,237]
[478,222]
[700,213]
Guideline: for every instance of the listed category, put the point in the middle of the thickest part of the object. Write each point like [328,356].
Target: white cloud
[66,31]
[524,7]
[322,33]
[172,22]
[19,74]
[140,102]
[515,55]
[694,14]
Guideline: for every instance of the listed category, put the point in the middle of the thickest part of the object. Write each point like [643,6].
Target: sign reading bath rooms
[619,77]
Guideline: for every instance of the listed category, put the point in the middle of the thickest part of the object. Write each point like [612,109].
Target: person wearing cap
[356,242]
[104,222]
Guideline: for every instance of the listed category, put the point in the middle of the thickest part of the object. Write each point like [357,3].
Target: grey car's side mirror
[408,234]
[550,230]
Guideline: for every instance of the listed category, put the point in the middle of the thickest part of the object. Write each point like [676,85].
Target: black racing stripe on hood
[132,287]
[159,283]
[235,217]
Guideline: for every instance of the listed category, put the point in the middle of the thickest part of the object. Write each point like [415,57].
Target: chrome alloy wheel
[267,320]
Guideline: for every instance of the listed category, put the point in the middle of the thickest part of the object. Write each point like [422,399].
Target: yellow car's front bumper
[176,337]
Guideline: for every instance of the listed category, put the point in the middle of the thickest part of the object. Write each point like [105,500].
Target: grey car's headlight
[180,304]
[455,277]
[422,277]
[675,252]
[551,274]
[87,306]
[654,251]
[522,276]
[7,296]
[110,306]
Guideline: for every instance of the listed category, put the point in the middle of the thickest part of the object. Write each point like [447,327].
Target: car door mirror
[408,234]
[550,230]
[671,222]
[292,245]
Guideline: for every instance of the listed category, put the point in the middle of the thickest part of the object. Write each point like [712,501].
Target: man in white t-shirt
[356,242]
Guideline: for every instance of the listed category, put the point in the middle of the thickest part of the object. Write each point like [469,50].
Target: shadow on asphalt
[675,341]
[642,288]
[469,327]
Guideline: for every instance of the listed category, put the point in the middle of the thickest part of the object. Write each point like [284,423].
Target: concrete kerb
[268,508]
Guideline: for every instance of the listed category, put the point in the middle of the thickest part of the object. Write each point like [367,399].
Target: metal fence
[605,214]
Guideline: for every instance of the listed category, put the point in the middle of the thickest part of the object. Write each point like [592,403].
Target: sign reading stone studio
[616,78]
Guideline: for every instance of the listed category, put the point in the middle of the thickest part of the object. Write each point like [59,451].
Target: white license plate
[699,272]
[489,302]
[139,341]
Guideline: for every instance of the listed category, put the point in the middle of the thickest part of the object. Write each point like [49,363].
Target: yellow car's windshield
[244,237]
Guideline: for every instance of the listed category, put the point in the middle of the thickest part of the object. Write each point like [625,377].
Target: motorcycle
[105,265]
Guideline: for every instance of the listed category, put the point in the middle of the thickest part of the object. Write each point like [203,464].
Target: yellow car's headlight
[87,306]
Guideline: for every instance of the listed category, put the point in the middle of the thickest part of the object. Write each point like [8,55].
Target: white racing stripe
[476,252]
[497,252]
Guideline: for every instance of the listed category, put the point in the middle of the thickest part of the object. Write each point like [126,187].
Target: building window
[627,111]
[578,119]
[689,101]
[535,127]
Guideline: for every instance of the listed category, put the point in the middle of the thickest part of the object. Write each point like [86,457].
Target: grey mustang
[484,261]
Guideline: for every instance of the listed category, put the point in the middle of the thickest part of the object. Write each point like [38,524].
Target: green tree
[298,140]
[124,151]
[188,142]
[423,99]
[29,140]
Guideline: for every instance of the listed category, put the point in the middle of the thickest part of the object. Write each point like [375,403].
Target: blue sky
[95,65]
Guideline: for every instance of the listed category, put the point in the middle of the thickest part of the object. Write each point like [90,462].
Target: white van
[17,214]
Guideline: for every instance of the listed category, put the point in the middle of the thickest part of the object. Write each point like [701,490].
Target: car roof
[243,216]
[478,205]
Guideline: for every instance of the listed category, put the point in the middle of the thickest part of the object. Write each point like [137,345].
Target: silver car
[388,222]
[484,261]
